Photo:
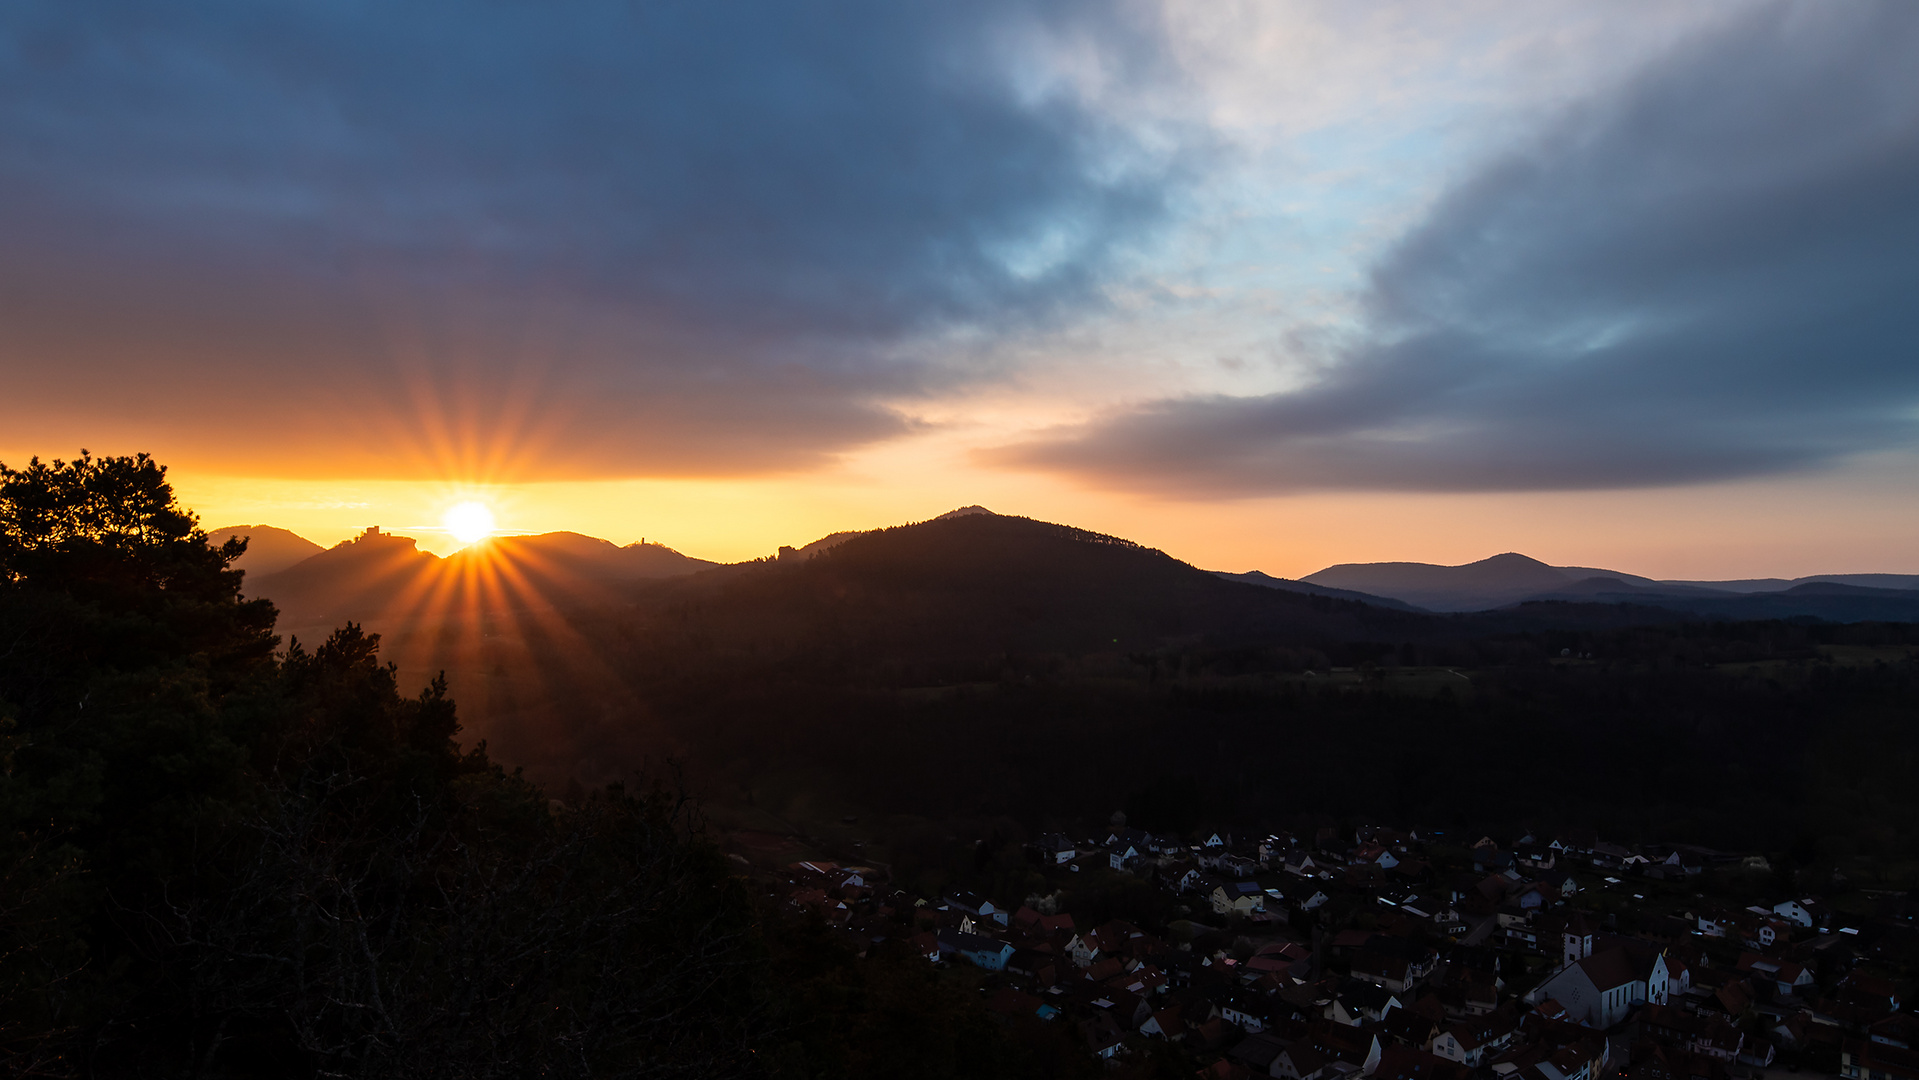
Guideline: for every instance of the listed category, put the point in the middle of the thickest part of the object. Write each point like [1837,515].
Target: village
[1405,955]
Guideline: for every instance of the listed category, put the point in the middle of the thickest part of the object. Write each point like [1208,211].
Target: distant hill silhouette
[378,575]
[1255,577]
[269,549]
[1511,579]
[1478,586]
[354,580]
[1755,585]
[562,554]
[1826,600]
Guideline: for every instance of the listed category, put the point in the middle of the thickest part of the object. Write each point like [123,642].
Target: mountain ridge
[378,573]
[1511,578]
[381,574]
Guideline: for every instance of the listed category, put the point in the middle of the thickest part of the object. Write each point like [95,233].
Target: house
[1578,1061]
[1302,864]
[1612,856]
[1705,1035]
[1575,841]
[1127,1009]
[1388,972]
[1360,1049]
[927,945]
[1247,1012]
[1764,931]
[1358,1002]
[1787,977]
[1299,1060]
[1057,849]
[1488,856]
[1536,856]
[974,904]
[1054,925]
[1798,912]
[1406,1063]
[1083,949]
[851,882]
[1867,1059]
[1535,896]
[1165,1023]
[1599,990]
[1103,1035]
[1570,935]
[981,952]
[1900,1030]
[1238,898]
[1124,857]
[1412,1027]
[1869,991]
[1257,1051]
[1471,1042]
[1396,964]
[1237,865]
[1375,855]
[1714,923]
[1683,862]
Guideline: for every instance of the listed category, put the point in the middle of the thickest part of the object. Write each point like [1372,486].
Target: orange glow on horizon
[1762,528]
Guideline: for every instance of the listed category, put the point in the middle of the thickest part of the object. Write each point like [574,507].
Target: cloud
[714,234]
[1705,273]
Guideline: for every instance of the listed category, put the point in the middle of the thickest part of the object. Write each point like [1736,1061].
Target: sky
[1266,285]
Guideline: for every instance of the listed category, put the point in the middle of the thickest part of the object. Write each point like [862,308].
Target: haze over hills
[269,549]
[1511,578]
[1265,580]
[1478,586]
[378,574]
[1753,585]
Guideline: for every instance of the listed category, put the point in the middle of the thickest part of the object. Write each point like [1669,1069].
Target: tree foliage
[220,859]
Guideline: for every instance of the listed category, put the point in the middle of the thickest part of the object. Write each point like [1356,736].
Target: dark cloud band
[756,203]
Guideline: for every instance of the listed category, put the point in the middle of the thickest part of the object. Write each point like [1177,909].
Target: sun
[469,522]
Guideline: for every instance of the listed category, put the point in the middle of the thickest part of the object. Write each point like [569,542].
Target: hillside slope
[1264,580]
[269,549]
[1488,583]
[960,590]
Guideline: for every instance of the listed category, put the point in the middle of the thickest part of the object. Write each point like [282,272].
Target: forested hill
[965,598]
[988,667]
[950,595]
